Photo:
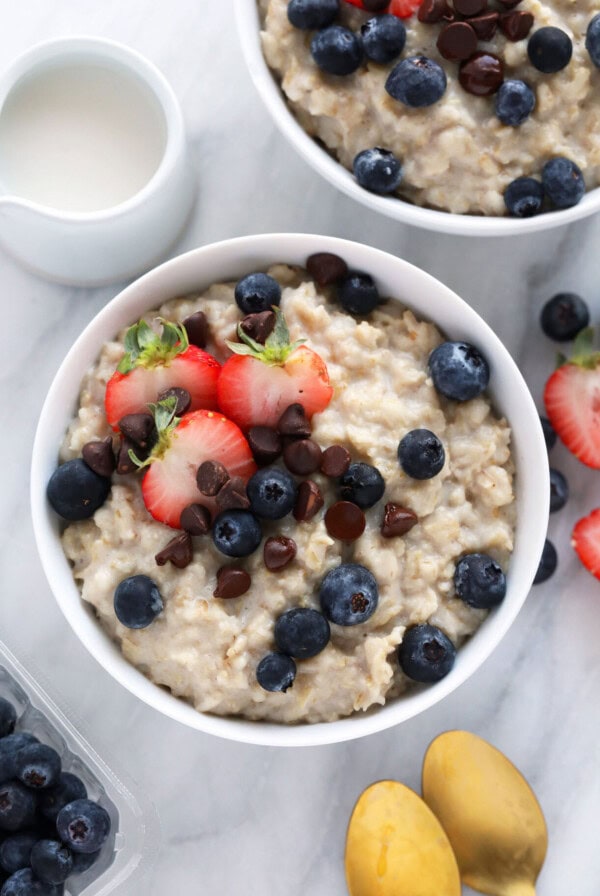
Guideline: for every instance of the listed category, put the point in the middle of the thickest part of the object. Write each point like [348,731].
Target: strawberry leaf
[276,349]
[166,422]
[583,351]
[145,348]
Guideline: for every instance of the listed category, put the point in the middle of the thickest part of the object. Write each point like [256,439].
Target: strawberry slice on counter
[586,541]
[402,9]
[259,382]
[572,399]
[154,363]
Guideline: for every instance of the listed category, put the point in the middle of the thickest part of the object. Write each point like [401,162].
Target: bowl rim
[248,26]
[148,291]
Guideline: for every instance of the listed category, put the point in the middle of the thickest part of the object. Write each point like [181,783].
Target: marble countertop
[271,821]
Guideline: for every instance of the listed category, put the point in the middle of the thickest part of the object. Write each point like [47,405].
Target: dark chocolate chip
[345,521]
[376,5]
[335,460]
[509,4]
[211,477]
[470,7]
[294,422]
[278,552]
[232,496]
[182,397]
[485,26]
[302,457]
[482,74]
[232,582]
[457,41]
[265,444]
[179,551]
[100,457]
[196,327]
[195,519]
[308,502]
[516,24]
[124,463]
[432,11]
[326,268]
[397,520]
[258,326]
[139,428]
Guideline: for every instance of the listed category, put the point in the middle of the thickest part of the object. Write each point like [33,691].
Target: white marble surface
[239,819]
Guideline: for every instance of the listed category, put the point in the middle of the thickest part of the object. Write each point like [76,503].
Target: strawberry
[154,363]
[169,483]
[572,399]
[403,9]
[259,382]
[586,541]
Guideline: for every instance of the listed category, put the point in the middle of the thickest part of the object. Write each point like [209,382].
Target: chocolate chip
[375,5]
[124,463]
[326,268]
[485,26]
[457,41]
[397,520]
[196,327]
[345,521]
[100,457]
[470,7]
[182,397]
[258,326]
[302,457]
[482,74]
[335,460]
[211,477]
[232,582]
[516,25]
[232,496]
[432,11]
[138,427]
[265,444]
[294,422]
[509,4]
[179,551]
[278,552]
[308,502]
[195,519]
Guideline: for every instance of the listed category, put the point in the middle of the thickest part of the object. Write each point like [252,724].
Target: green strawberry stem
[145,348]
[166,422]
[583,351]
[277,347]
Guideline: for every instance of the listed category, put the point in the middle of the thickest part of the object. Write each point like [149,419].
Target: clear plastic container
[134,838]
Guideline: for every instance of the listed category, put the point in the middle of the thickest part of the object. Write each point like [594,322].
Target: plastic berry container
[134,836]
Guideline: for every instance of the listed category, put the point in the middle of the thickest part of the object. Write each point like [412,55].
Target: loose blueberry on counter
[75,491]
[559,490]
[68,788]
[15,851]
[383,38]
[592,40]
[416,82]
[83,826]
[524,197]
[426,654]
[515,101]
[25,883]
[377,170]
[547,565]
[257,292]
[51,861]
[564,316]
[312,14]
[549,49]
[17,806]
[459,370]
[563,182]
[549,433]
[358,294]
[479,581]
[276,672]
[302,633]
[337,50]
[349,594]
[272,493]
[8,717]
[236,533]
[38,766]
[421,454]
[137,601]
[362,484]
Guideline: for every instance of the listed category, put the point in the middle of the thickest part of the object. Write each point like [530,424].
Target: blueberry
[257,292]
[563,182]
[349,594]
[68,788]
[8,717]
[592,40]
[416,82]
[564,316]
[83,862]
[546,568]
[312,14]
[362,484]
[337,50]
[25,883]
[17,806]
[549,434]
[276,672]
[75,492]
[51,861]
[236,533]
[515,101]
[524,197]
[426,654]
[383,38]
[479,581]
[15,852]
[459,370]
[302,633]
[358,294]
[83,825]
[559,490]
[137,601]
[272,493]
[421,454]
[38,766]
[550,49]
[377,170]
[9,748]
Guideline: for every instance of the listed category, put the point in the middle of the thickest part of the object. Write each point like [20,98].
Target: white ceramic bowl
[443,222]
[430,299]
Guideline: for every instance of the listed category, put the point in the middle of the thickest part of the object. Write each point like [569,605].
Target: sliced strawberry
[152,364]
[572,399]
[403,9]
[586,541]
[259,382]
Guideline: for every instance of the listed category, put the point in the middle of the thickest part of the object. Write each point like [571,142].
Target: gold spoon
[489,812]
[396,847]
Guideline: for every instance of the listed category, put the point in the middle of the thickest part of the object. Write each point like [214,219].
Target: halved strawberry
[154,363]
[403,9]
[259,382]
[586,541]
[169,483]
[572,399]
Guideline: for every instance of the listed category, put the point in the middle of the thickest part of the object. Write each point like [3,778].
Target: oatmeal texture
[456,155]
[206,650]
